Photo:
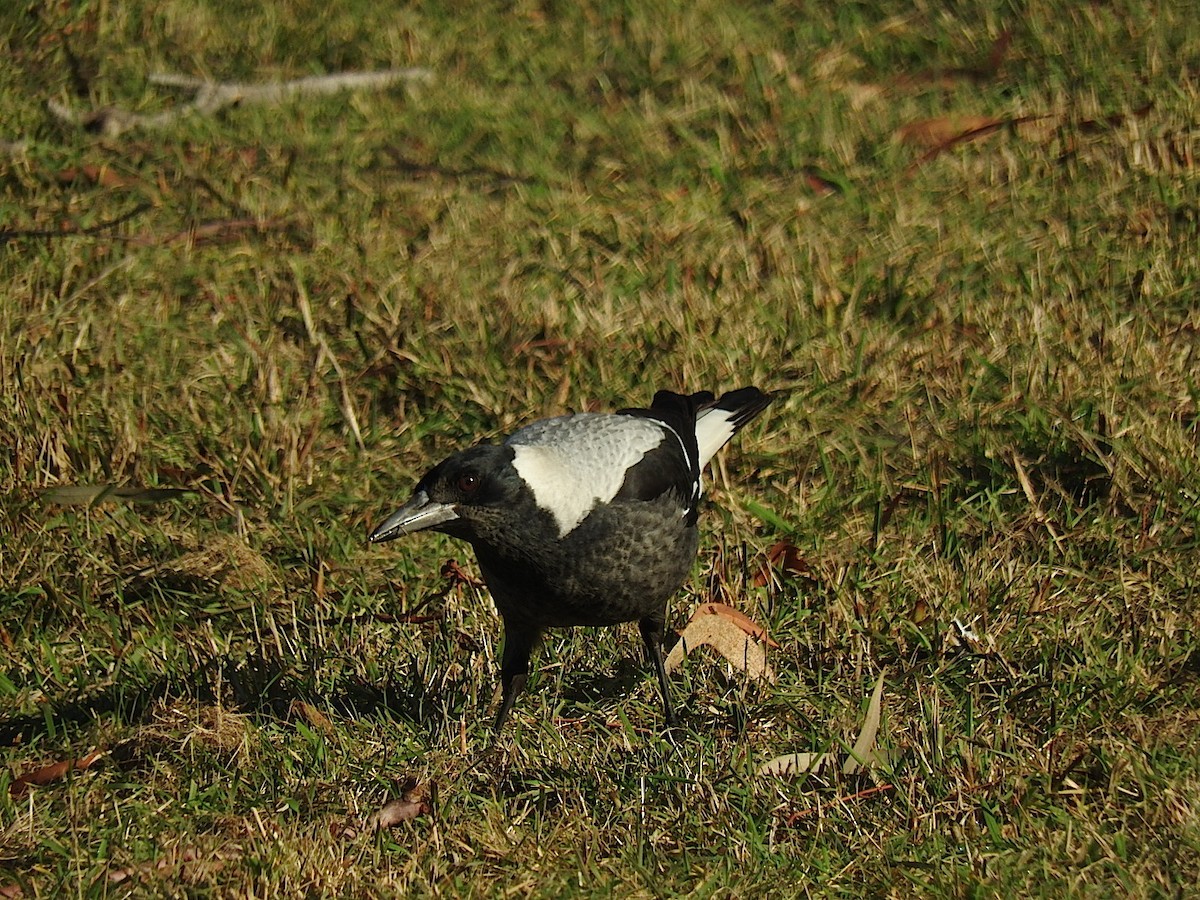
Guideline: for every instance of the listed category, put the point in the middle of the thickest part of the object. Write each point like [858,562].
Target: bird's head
[462,492]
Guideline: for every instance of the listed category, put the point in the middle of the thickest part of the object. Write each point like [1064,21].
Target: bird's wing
[573,463]
[717,422]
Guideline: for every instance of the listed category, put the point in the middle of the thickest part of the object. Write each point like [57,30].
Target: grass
[985,455]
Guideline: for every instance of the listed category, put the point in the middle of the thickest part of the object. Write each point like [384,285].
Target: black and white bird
[583,519]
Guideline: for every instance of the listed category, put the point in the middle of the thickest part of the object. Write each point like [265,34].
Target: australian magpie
[583,519]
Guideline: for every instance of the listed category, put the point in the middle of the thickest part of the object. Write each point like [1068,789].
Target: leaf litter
[863,755]
[741,641]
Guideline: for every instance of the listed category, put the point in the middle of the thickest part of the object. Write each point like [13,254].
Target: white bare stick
[212,96]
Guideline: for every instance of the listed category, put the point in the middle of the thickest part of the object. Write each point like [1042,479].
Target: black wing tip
[745,403]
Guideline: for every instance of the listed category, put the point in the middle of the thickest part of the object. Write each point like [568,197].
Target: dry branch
[212,96]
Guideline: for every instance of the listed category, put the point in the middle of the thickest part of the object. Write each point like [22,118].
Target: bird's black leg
[514,668]
[652,635]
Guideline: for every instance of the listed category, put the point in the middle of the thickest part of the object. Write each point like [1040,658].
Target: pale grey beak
[417,514]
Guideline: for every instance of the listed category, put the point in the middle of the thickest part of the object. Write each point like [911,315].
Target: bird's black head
[467,489]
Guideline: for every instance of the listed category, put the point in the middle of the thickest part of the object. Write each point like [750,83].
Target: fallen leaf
[946,132]
[455,575]
[862,755]
[396,811]
[313,716]
[921,612]
[413,802]
[101,175]
[728,639]
[51,773]
[939,130]
[820,184]
[784,558]
[796,764]
[738,618]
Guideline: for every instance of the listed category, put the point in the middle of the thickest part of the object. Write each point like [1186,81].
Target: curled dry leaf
[51,773]
[394,812]
[819,184]
[728,638]
[413,802]
[863,755]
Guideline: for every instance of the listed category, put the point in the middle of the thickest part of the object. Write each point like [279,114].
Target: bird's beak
[417,514]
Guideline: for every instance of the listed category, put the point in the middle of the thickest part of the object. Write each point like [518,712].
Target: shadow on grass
[260,686]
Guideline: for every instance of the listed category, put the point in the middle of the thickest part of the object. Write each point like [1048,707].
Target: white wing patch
[572,463]
[713,431]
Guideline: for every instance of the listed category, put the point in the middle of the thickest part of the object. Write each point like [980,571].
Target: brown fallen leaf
[819,184]
[11,890]
[738,618]
[101,175]
[953,133]
[313,716]
[454,574]
[921,613]
[728,639]
[937,131]
[394,812]
[783,558]
[51,773]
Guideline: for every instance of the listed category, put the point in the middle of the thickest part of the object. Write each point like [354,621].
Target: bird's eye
[468,483]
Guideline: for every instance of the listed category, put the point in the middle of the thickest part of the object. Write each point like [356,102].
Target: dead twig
[800,814]
[51,233]
[212,96]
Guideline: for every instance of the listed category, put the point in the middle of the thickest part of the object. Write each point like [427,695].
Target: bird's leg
[514,668]
[652,635]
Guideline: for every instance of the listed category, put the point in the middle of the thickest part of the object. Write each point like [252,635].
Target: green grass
[989,362]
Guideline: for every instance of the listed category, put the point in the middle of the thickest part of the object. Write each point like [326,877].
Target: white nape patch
[572,463]
[713,431]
